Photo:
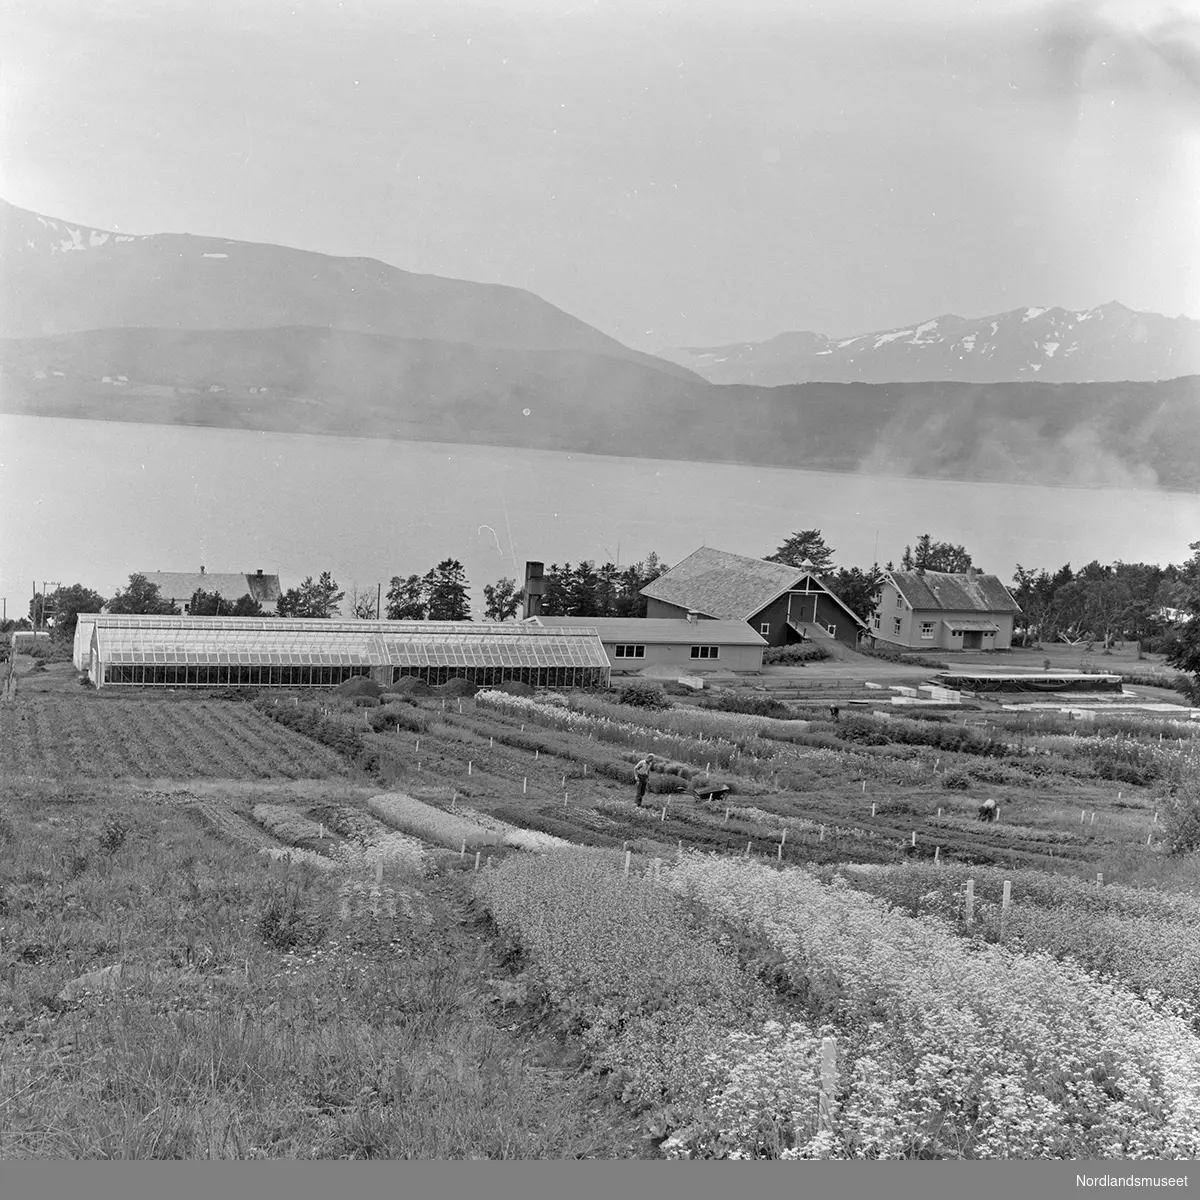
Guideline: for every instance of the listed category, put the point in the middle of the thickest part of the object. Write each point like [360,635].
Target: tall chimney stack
[535,589]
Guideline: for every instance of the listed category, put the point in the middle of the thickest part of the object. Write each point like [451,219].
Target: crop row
[991,1054]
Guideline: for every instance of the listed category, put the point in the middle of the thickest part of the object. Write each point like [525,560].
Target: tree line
[1158,607]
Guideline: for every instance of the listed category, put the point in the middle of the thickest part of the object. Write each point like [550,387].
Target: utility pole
[379,602]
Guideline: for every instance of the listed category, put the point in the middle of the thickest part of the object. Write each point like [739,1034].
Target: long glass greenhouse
[199,652]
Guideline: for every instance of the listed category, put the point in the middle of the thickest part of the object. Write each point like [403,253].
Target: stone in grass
[106,979]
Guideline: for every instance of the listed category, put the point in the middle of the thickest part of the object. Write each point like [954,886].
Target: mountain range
[179,329]
[1052,345]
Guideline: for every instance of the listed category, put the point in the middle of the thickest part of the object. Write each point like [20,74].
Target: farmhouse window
[899,600]
[927,630]
[897,625]
[629,651]
[876,621]
[765,628]
[705,651]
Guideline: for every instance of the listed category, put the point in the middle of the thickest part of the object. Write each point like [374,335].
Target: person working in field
[989,810]
[642,774]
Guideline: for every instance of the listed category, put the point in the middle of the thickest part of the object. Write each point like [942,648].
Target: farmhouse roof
[954,592]
[730,587]
[183,585]
[660,631]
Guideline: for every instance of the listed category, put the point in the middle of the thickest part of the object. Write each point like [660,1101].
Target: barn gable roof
[660,631]
[730,587]
[954,592]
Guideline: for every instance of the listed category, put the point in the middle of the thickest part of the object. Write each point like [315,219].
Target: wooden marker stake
[970,902]
[478,856]
[524,785]
[463,851]
[628,856]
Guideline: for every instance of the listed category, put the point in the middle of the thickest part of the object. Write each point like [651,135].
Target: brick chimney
[535,589]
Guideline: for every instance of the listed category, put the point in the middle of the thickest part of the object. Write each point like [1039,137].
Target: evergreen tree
[449,596]
[803,548]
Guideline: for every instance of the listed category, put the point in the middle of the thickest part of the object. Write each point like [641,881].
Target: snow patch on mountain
[1030,313]
[891,337]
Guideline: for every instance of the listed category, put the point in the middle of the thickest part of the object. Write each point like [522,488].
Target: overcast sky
[673,173]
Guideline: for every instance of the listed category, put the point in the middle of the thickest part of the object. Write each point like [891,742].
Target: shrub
[112,835]
[641,693]
[756,706]
[956,780]
[410,685]
[514,687]
[794,655]
[387,718]
[900,656]
[1180,815]
[358,685]
[456,687]
[862,731]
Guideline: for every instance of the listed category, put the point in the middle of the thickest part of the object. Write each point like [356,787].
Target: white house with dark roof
[635,643]
[944,611]
[782,604]
[179,587]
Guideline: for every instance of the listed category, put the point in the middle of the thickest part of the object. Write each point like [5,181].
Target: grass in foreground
[258,1013]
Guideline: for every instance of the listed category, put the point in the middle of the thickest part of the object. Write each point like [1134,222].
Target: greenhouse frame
[207,652]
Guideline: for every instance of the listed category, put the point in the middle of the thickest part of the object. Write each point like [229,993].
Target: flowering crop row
[656,1002]
[432,824]
[981,1053]
[514,835]
[295,855]
[1148,940]
[286,823]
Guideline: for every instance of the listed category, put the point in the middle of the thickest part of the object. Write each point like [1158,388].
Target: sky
[672,173]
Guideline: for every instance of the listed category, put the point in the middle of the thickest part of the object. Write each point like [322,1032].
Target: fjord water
[93,501]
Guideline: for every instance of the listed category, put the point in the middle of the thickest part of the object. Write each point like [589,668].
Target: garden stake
[1148,837]
[1082,815]
[1093,817]
[322,833]
[970,902]
[747,849]
[478,856]
[664,814]
[872,808]
[564,799]
[1099,878]
[1004,906]
[822,837]
[536,753]
[491,742]
[564,781]
[937,852]
[864,787]
[628,856]
[726,814]
[939,812]
[379,871]
[418,741]
[779,853]
[681,847]
[828,1083]
[469,765]
[463,851]
[524,785]
[914,841]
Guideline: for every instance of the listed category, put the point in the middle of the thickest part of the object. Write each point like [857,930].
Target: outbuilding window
[765,628]
[706,651]
[629,651]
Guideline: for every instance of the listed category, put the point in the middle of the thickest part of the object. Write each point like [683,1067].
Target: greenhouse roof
[288,642]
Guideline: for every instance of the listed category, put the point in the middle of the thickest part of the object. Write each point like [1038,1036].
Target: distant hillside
[61,277]
[1051,345]
[330,381]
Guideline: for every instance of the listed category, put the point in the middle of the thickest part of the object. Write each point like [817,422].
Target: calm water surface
[93,501]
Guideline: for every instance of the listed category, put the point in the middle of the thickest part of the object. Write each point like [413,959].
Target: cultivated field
[334,927]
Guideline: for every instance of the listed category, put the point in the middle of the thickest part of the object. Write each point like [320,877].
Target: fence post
[828,1083]
[970,901]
